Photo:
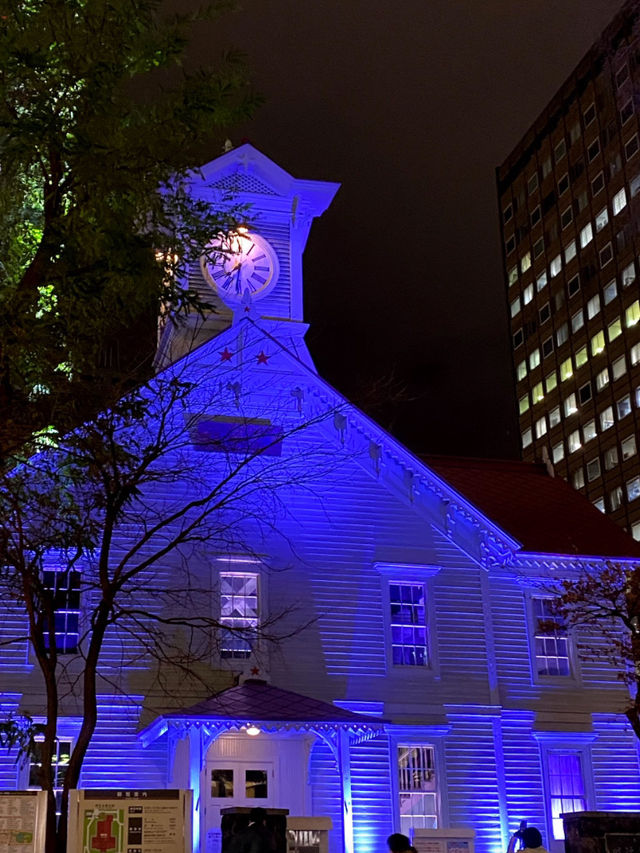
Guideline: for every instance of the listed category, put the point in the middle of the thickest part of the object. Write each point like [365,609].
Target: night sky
[410,104]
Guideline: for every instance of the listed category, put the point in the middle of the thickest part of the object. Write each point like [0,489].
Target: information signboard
[23,816]
[118,821]
[444,840]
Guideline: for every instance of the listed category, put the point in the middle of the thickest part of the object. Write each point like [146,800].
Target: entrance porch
[252,745]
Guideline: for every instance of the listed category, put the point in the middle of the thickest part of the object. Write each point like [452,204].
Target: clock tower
[256,270]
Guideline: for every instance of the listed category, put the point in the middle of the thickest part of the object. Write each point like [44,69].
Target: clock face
[240,264]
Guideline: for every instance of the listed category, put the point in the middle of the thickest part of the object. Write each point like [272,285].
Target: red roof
[543,513]
[256,701]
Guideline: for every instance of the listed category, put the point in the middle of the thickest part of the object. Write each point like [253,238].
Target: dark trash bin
[235,822]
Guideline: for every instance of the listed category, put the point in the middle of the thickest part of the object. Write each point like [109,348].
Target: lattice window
[417,788]
[566,787]
[239,609]
[551,646]
[237,183]
[408,624]
[65,587]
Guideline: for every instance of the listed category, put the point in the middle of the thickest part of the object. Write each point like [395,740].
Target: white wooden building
[421,692]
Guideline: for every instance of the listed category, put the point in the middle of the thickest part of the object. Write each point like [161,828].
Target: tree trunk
[633,715]
[89,722]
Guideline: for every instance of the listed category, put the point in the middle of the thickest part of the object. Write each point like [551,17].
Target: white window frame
[410,573]
[597,469]
[578,742]
[430,736]
[611,457]
[628,440]
[573,448]
[602,218]
[597,184]
[574,676]
[628,145]
[619,201]
[586,235]
[242,566]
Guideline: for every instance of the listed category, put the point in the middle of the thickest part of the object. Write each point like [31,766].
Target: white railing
[308,834]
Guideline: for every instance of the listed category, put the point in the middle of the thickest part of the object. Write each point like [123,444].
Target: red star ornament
[262,358]
[225,355]
[255,670]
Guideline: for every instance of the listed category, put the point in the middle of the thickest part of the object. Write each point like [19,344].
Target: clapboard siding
[326,791]
[523,770]
[472,778]
[518,687]
[371,792]
[14,651]
[10,762]
[616,778]
[116,758]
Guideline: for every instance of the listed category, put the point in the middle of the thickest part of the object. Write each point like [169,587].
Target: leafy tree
[100,128]
[100,125]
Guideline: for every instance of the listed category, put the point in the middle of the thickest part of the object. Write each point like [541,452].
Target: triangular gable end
[248,346]
[383,457]
[251,176]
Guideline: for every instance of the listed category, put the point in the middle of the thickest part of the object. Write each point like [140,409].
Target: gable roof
[246,171]
[543,513]
[547,517]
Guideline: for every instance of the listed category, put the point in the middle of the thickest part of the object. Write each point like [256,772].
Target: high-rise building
[569,197]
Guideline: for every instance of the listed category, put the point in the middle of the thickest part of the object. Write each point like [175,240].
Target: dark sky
[410,104]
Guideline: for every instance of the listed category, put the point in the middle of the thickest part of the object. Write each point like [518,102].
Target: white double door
[267,771]
[247,783]
[246,780]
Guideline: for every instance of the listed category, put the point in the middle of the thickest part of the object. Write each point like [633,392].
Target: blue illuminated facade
[419,609]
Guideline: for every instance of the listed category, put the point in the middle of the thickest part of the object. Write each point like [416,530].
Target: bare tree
[119,512]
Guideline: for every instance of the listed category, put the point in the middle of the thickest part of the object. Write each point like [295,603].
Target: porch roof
[261,702]
[255,701]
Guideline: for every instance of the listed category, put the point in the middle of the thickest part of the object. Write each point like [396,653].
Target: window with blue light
[408,624]
[551,644]
[417,788]
[65,586]
[239,610]
[566,787]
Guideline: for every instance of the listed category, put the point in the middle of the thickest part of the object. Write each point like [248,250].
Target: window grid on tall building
[580,221]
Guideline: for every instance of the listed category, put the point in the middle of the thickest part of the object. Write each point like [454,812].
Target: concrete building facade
[569,196]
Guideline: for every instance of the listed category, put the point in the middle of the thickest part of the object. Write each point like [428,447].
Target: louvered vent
[238,183]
